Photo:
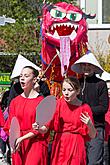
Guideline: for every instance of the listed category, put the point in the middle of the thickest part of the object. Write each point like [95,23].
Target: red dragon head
[62,19]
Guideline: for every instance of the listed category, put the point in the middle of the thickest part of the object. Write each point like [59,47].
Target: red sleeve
[35,132]
[89,111]
[11,115]
[87,108]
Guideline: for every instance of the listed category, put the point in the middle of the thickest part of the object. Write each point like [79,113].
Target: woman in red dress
[73,124]
[31,147]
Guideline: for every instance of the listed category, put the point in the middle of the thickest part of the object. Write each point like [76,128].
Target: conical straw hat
[105,76]
[21,62]
[87,58]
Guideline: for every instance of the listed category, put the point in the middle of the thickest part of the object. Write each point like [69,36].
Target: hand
[43,129]
[85,118]
[17,144]
[35,126]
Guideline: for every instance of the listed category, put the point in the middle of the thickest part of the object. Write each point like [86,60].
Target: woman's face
[87,68]
[27,79]
[69,92]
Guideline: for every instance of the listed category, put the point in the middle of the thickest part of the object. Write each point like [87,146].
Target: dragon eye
[74,16]
[57,14]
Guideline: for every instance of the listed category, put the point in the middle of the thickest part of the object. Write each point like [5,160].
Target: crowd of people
[78,122]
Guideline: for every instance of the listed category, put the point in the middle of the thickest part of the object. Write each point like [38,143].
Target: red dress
[68,147]
[32,151]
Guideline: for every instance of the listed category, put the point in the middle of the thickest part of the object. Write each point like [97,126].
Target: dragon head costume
[60,20]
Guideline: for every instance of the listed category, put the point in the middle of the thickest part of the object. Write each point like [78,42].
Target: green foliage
[21,37]
[7,61]
[107,64]
[104,61]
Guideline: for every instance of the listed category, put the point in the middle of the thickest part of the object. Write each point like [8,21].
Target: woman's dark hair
[4,100]
[35,72]
[74,82]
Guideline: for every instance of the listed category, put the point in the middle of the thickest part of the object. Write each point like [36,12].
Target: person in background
[94,93]
[5,100]
[73,124]
[4,143]
[31,146]
[15,90]
[2,122]
[43,86]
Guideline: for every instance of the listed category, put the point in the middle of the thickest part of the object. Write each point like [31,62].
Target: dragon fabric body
[58,21]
